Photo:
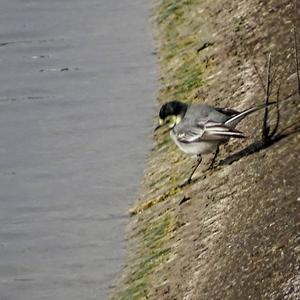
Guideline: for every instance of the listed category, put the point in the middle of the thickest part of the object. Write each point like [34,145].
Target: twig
[296,46]
[261,80]
[266,128]
[273,78]
[259,76]
[295,126]
[296,59]
[277,110]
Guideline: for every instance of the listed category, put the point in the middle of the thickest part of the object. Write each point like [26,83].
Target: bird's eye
[168,120]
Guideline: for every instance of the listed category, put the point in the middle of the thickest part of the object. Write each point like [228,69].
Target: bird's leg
[199,160]
[214,158]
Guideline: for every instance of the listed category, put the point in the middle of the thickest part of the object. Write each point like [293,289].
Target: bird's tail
[220,131]
[233,121]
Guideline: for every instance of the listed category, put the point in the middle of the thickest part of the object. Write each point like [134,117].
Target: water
[76,94]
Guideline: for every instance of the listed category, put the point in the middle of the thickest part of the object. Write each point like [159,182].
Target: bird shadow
[260,145]
[251,149]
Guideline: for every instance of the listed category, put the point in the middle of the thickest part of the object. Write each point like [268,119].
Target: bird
[199,129]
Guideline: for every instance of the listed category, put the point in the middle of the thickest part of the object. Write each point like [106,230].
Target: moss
[179,57]
[149,203]
[154,251]
[163,142]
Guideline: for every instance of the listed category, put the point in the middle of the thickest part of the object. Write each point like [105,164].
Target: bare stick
[286,131]
[277,110]
[256,70]
[296,58]
[296,45]
[273,78]
[259,76]
[267,97]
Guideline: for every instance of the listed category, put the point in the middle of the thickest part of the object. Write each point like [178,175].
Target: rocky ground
[236,234]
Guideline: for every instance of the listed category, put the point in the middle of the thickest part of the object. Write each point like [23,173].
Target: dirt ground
[236,235]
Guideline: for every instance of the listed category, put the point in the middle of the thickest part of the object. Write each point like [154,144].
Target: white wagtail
[200,128]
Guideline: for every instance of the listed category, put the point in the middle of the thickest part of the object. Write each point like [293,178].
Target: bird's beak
[161,123]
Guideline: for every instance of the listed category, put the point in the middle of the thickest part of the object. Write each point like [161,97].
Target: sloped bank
[237,237]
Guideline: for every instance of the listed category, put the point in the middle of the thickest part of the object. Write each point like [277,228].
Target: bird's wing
[207,131]
[229,112]
[219,131]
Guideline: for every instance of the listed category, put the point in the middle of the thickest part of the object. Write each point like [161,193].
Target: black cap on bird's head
[171,113]
[172,108]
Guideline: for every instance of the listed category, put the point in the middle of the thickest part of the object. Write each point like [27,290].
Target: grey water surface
[77,83]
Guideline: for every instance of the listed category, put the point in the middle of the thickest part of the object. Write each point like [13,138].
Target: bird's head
[171,113]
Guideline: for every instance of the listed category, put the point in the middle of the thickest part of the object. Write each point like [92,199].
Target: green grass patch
[181,66]
[153,252]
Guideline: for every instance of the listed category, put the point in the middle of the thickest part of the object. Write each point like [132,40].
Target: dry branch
[266,128]
[296,59]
